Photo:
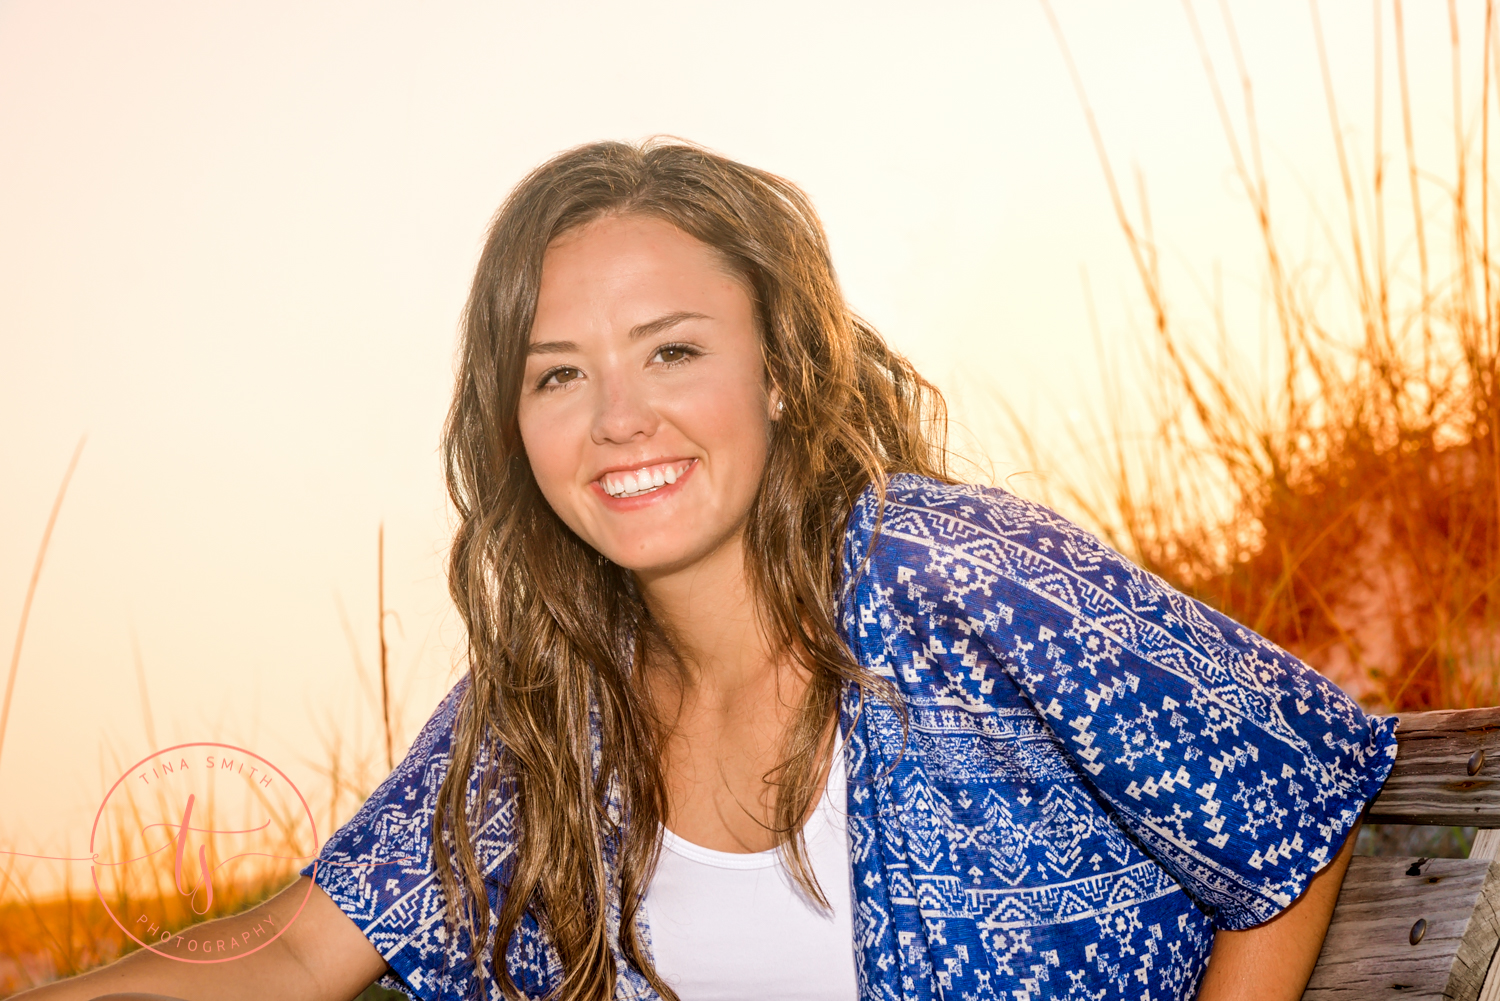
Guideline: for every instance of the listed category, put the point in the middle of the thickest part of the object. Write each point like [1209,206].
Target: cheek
[729,421]
[552,447]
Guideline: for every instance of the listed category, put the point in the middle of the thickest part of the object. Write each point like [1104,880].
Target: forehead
[622,260]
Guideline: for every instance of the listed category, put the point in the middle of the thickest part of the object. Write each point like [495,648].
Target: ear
[775,405]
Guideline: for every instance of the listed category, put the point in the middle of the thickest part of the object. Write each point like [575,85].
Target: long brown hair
[553,628]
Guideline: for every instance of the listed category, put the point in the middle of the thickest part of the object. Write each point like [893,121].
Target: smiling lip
[649,479]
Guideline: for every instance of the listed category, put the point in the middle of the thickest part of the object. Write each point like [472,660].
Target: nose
[623,413]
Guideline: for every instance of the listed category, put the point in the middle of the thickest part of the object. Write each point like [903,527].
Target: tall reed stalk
[36,576]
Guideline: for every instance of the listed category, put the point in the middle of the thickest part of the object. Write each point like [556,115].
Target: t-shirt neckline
[816,825]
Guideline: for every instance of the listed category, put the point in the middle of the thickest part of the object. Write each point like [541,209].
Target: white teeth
[639,481]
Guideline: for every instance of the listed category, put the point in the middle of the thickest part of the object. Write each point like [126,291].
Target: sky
[235,240]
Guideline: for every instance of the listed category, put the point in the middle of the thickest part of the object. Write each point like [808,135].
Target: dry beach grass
[1345,500]
[47,937]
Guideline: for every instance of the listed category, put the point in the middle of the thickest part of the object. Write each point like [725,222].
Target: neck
[711,615]
[726,703]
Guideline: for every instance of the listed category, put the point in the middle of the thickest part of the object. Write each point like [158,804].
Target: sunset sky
[235,239]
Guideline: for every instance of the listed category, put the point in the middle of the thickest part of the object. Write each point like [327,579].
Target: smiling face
[644,411]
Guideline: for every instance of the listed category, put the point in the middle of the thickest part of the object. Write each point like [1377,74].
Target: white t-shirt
[727,926]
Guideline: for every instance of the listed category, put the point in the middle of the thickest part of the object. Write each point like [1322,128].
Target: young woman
[761,704]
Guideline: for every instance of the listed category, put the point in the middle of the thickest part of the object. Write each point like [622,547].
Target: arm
[1273,961]
[322,956]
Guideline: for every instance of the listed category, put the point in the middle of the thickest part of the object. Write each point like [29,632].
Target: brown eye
[670,354]
[559,376]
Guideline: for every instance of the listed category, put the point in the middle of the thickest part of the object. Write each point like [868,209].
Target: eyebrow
[664,322]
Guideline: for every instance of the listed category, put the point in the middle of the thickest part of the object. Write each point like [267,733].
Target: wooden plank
[1487,846]
[1368,955]
[1430,782]
[1491,991]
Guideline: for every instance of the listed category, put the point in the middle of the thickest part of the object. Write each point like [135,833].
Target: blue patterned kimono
[1095,773]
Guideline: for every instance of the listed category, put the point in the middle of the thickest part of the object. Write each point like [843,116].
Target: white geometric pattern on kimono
[1094,773]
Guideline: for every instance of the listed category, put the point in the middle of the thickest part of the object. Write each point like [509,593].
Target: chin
[651,565]
[652,557]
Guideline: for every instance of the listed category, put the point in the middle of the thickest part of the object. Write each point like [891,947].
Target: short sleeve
[378,869]
[1238,768]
